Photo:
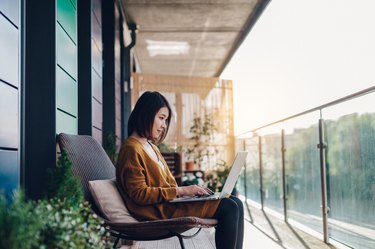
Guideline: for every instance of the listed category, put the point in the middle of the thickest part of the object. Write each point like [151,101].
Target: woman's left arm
[139,181]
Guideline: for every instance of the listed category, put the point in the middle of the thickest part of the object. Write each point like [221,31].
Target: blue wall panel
[66,52]
[67,17]
[97,59]
[118,109]
[97,134]
[66,123]
[97,10]
[97,70]
[9,101]
[8,116]
[10,8]
[9,170]
[97,91]
[118,133]
[96,31]
[9,56]
[66,69]
[97,114]
[74,2]
[118,92]
[66,92]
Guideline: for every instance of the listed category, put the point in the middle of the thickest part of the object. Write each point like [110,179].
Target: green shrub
[62,184]
[66,226]
[62,220]
[110,147]
[19,226]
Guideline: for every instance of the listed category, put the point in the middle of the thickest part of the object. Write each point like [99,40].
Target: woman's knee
[227,207]
[238,202]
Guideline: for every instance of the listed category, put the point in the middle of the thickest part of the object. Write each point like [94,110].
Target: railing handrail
[331,103]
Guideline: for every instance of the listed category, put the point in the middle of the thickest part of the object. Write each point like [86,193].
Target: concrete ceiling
[190,37]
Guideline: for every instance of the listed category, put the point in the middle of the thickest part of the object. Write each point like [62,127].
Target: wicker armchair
[89,163]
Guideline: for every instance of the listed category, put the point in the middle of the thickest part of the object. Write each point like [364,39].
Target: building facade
[64,67]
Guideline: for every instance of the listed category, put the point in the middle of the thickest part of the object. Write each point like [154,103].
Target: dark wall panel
[84,20]
[8,117]
[108,38]
[38,151]
[9,58]
[10,8]
[9,170]
[66,92]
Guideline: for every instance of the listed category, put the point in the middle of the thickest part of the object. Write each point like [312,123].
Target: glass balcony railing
[302,172]
[317,168]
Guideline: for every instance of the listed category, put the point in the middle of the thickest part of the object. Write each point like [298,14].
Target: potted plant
[202,131]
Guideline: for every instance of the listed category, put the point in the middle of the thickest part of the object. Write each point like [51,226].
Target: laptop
[230,182]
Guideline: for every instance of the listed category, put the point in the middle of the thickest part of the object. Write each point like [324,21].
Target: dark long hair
[142,117]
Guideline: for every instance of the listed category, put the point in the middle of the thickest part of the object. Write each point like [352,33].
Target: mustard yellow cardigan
[146,187]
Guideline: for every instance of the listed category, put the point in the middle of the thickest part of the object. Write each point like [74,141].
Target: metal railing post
[323,180]
[283,175]
[245,173]
[261,172]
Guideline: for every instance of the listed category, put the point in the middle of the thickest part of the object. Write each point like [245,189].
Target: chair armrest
[161,226]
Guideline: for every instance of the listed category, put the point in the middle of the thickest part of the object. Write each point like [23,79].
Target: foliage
[110,147]
[193,178]
[62,184]
[62,220]
[216,177]
[165,148]
[350,168]
[202,131]
[66,226]
[19,225]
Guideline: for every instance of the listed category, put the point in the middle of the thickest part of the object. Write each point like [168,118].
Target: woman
[148,185]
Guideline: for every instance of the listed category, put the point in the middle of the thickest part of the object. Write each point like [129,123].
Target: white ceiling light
[167,47]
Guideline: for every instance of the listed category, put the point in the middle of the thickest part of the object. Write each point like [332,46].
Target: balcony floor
[262,230]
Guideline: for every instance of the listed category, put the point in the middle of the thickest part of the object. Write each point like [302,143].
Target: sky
[301,54]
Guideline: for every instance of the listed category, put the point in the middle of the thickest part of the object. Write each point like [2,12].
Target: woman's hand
[193,190]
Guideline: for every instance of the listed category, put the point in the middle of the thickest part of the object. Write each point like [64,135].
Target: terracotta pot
[189,165]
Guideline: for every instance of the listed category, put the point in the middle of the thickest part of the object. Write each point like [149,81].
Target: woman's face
[160,122]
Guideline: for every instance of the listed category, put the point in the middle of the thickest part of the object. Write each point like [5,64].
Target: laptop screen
[235,171]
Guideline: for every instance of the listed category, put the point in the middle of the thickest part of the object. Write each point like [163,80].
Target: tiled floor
[262,231]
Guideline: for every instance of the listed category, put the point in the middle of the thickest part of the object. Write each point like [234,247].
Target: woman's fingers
[204,191]
[194,190]
[209,191]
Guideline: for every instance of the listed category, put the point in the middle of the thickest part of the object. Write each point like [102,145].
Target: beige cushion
[109,201]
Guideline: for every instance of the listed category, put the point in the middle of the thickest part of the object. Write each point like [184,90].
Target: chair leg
[116,242]
[181,240]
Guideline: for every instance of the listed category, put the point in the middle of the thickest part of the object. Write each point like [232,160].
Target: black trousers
[229,231]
